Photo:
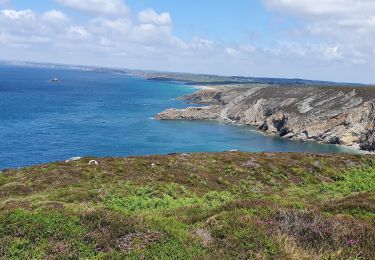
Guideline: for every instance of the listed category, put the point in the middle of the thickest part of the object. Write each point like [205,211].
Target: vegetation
[191,206]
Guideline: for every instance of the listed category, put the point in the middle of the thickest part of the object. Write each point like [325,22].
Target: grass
[191,206]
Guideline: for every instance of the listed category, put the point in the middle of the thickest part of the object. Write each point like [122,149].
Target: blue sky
[274,38]
[191,17]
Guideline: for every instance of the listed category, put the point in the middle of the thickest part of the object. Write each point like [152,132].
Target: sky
[320,39]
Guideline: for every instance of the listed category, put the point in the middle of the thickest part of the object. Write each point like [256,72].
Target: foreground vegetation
[191,206]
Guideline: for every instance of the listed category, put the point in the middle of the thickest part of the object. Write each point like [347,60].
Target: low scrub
[191,206]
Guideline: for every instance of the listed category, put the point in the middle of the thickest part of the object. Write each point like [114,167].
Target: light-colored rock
[191,113]
[290,135]
[93,162]
[73,159]
[337,115]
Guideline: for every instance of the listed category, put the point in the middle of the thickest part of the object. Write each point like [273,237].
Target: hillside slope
[334,115]
[191,206]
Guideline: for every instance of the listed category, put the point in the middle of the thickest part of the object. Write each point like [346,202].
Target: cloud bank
[349,24]
[106,7]
[324,44]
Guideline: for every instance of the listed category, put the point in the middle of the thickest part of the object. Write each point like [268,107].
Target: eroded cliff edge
[334,115]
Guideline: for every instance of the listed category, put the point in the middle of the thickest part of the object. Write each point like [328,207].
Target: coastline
[202,137]
[354,148]
[323,123]
[347,149]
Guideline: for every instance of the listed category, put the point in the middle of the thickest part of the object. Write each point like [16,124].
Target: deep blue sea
[106,114]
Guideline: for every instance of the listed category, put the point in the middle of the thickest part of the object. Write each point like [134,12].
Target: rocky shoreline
[330,115]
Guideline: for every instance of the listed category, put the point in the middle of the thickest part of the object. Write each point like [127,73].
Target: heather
[191,206]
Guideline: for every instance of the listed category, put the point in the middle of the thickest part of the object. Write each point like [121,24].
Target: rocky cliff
[334,115]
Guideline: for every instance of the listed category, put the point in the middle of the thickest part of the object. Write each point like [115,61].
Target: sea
[108,114]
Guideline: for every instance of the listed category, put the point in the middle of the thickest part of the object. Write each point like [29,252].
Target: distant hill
[186,78]
[212,80]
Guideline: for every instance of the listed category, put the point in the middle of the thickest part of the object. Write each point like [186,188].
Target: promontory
[325,114]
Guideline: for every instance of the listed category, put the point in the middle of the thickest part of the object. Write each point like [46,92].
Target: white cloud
[232,51]
[200,43]
[327,16]
[248,48]
[149,16]
[110,27]
[333,53]
[357,9]
[22,23]
[147,35]
[17,15]
[78,31]
[114,37]
[55,16]
[106,7]
[349,25]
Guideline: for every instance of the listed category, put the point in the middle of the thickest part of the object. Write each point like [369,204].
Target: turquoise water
[105,114]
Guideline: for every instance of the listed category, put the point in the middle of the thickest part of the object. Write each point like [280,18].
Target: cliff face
[336,115]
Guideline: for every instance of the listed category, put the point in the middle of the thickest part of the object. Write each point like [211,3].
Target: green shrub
[358,180]
[241,236]
[25,234]
[172,196]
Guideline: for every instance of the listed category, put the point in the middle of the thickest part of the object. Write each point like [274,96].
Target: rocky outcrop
[191,113]
[367,141]
[335,115]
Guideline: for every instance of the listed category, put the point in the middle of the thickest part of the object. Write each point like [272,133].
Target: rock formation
[334,115]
